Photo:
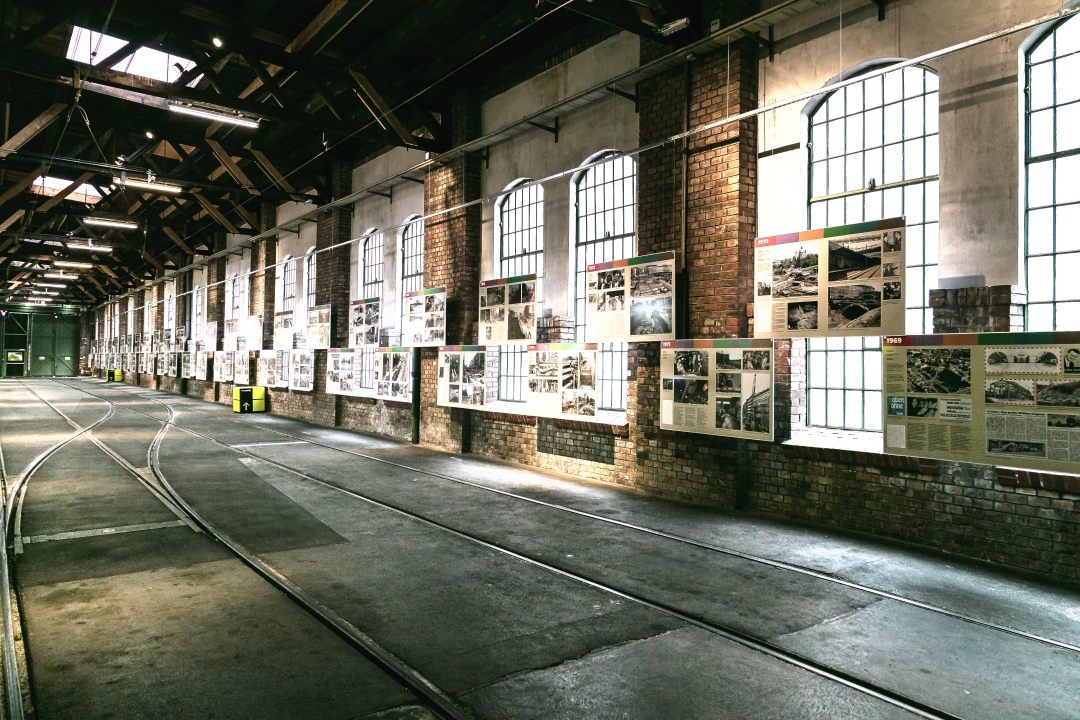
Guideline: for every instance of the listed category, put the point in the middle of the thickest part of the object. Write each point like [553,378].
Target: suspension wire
[738,117]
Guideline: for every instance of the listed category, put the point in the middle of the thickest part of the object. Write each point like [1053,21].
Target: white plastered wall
[979,136]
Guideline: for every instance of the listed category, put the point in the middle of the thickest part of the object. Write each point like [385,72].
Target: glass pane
[1068,277]
[852,343]
[872,370]
[931,251]
[1068,179]
[913,204]
[835,407]
[854,133]
[854,172]
[834,343]
[872,206]
[853,415]
[931,110]
[819,147]
[1068,228]
[893,86]
[1042,86]
[816,368]
[874,128]
[873,92]
[816,343]
[1067,37]
[817,215]
[816,407]
[1068,316]
[933,162]
[932,201]
[853,368]
[913,323]
[1040,318]
[834,369]
[1041,184]
[873,165]
[853,208]
[1068,74]
[894,123]
[1041,231]
[913,82]
[894,159]
[854,98]
[836,175]
[1068,126]
[836,105]
[913,159]
[893,202]
[930,283]
[836,137]
[1042,133]
[872,417]
[1044,50]
[913,117]
[914,288]
[1040,279]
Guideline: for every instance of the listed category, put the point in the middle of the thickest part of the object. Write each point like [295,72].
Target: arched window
[288,284]
[234,294]
[371,286]
[605,228]
[411,262]
[310,271]
[197,314]
[520,217]
[1052,161]
[873,155]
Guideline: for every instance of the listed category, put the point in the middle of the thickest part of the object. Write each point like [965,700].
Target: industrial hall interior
[540,359]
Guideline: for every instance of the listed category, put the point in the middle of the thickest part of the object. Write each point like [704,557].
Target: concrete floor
[163,622]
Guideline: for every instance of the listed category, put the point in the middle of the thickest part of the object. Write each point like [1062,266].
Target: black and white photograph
[667,384]
[939,371]
[415,305]
[610,279]
[472,367]
[383,389]
[892,241]
[616,300]
[581,401]
[455,367]
[495,296]
[691,392]
[794,270]
[549,385]
[892,291]
[1063,421]
[1017,448]
[922,407]
[890,270]
[764,289]
[650,317]
[1072,361]
[577,371]
[1023,361]
[757,403]
[1058,394]
[371,313]
[729,359]
[856,258]
[435,336]
[691,362]
[802,316]
[1010,391]
[521,324]
[728,382]
[651,280]
[434,320]
[756,360]
[528,291]
[399,366]
[854,306]
[728,413]
[371,336]
[547,364]
[435,303]
[514,292]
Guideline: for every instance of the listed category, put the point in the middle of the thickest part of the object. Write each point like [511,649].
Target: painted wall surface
[979,137]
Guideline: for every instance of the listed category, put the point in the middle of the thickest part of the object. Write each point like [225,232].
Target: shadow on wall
[575,444]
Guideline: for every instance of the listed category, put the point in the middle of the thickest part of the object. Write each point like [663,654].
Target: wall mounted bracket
[622,94]
[484,154]
[388,195]
[553,130]
[880,9]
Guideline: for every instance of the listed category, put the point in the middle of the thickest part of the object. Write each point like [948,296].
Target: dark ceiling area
[326,81]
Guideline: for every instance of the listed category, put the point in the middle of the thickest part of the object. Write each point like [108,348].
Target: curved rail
[870,688]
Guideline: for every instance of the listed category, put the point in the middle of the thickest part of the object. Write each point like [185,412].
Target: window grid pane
[844,376]
[1053,175]
[288,286]
[606,216]
[310,265]
[371,269]
[412,262]
[198,314]
[521,252]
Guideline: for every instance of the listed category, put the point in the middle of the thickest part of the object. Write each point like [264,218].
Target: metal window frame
[822,355]
[372,265]
[311,273]
[288,284]
[197,312]
[1051,157]
[521,252]
[412,279]
[611,391]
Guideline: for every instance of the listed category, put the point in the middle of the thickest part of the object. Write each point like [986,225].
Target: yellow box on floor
[114,375]
[248,399]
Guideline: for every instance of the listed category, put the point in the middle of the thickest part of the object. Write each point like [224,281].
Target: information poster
[1008,399]
[283,330]
[266,368]
[425,318]
[393,379]
[251,334]
[223,366]
[343,373]
[461,381]
[364,322]
[155,342]
[318,327]
[846,280]
[232,330]
[203,365]
[562,380]
[717,387]
[173,360]
[281,368]
[187,365]
[631,300]
[302,370]
[142,362]
[209,342]
[125,363]
[508,310]
[242,367]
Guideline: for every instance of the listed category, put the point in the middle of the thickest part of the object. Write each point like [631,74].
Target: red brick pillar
[332,267]
[452,243]
[999,308]
[215,300]
[263,255]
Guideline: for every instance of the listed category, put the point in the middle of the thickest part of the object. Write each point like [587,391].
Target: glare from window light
[89,47]
[49,186]
[71,264]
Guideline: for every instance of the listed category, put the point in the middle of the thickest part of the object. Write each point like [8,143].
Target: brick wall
[377,416]
[332,267]
[979,309]
[261,299]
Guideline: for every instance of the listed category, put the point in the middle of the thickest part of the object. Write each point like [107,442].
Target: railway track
[763,646]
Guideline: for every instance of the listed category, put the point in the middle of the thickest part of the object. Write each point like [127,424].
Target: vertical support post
[415,376]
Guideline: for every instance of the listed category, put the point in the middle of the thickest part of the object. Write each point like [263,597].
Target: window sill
[832,439]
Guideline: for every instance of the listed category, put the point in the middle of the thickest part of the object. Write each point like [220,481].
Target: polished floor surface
[483,589]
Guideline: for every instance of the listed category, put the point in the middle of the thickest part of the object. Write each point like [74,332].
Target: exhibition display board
[461,381]
[231,330]
[318,327]
[283,330]
[343,373]
[224,366]
[125,362]
[717,387]
[302,370]
[631,300]
[996,398]
[187,365]
[364,322]
[173,367]
[839,281]
[203,365]
[562,380]
[141,363]
[209,342]
[393,377]
[266,368]
[242,367]
[250,333]
[424,318]
[508,310]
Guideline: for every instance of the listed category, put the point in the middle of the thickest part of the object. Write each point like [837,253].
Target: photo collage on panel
[364,322]
[631,300]
[562,380]
[508,310]
[425,318]
[462,380]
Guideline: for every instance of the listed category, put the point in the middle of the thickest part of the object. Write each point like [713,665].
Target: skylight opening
[49,186]
[90,48]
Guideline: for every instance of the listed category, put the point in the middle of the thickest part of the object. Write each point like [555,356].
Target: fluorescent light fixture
[217,42]
[673,27]
[43,292]
[110,222]
[217,115]
[69,263]
[61,276]
[41,284]
[147,185]
[93,248]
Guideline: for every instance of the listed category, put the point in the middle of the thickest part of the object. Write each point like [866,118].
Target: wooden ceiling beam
[31,130]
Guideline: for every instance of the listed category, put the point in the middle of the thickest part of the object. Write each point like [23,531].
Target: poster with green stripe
[833,282]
